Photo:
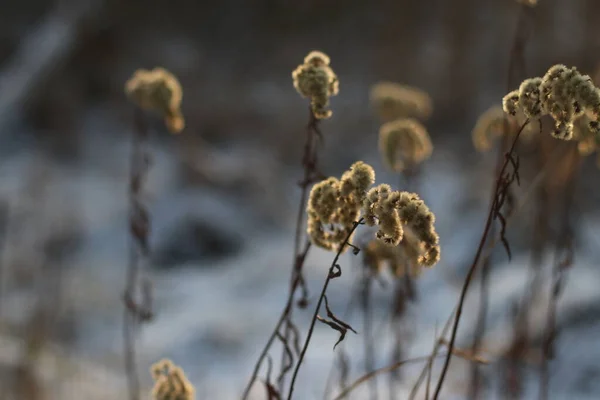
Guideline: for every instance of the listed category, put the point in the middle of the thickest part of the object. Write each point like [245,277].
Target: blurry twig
[311,174]
[458,353]
[139,226]
[563,260]
[503,182]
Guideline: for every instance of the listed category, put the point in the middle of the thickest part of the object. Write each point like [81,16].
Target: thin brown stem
[399,364]
[563,259]
[137,246]
[310,164]
[436,348]
[367,335]
[330,275]
[491,214]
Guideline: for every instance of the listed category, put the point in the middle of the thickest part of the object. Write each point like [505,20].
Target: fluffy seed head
[562,93]
[392,101]
[170,382]
[404,143]
[158,90]
[316,80]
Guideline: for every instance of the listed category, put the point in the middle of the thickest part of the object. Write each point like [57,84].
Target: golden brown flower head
[392,101]
[391,210]
[316,80]
[335,205]
[170,382]
[563,93]
[404,143]
[158,90]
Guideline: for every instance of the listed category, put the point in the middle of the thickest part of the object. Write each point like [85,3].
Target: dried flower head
[563,93]
[392,101]
[170,382]
[491,125]
[335,205]
[158,90]
[391,210]
[316,80]
[404,143]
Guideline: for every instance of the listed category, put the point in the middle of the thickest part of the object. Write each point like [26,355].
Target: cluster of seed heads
[335,205]
[401,260]
[170,382]
[491,125]
[391,101]
[404,143]
[564,94]
[391,210]
[316,80]
[158,90]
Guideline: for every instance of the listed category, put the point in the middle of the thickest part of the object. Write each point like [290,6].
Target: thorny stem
[564,244]
[330,275]
[468,279]
[309,162]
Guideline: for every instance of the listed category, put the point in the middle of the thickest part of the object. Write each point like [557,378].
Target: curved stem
[309,161]
[469,278]
[330,275]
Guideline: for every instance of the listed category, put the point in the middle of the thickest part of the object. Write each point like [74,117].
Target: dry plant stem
[476,259]
[345,316]
[309,161]
[405,289]
[368,334]
[390,368]
[370,375]
[564,244]
[488,252]
[476,377]
[439,343]
[273,336]
[3,241]
[520,341]
[137,248]
[330,275]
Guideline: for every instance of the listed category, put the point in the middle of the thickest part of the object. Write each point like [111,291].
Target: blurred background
[223,194]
